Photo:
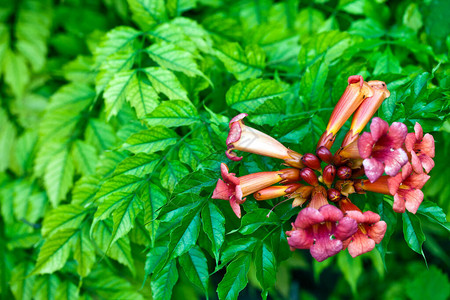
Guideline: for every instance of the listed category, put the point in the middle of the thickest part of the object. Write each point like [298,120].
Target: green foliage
[113,131]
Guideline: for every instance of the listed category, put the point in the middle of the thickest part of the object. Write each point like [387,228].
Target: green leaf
[196,182]
[266,266]
[173,114]
[45,287]
[327,46]
[22,283]
[351,268]
[149,141]
[63,217]
[155,259]
[85,157]
[164,281]
[84,252]
[100,134]
[16,73]
[432,283]
[124,216]
[55,251]
[384,209]
[214,226]
[172,172]
[313,82]
[175,59]
[248,95]
[147,13]
[434,213]
[67,291]
[24,150]
[114,41]
[177,7]
[235,279]
[7,136]
[101,232]
[141,95]
[185,236]
[106,284]
[153,199]
[243,64]
[58,176]
[138,165]
[387,63]
[124,184]
[236,247]
[413,233]
[192,152]
[164,81]
[195,266]
[115,92]
[253,220]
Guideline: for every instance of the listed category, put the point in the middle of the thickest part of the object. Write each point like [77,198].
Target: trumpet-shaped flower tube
[366,110]
[272,192]
[370,229]
[405,187]
[381,148]
[421,148]
[301,195]
[248,139]
[321,230]
[356,91]
[234,188]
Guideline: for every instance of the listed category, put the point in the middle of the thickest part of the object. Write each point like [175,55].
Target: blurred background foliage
[105,184]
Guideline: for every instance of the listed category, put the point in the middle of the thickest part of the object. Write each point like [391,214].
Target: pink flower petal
[373,169]
[397,134]
[235,133]
[406,171]
[300,239]
[416,181]
[416,163]
[331,213]
[413,199]
[418,131]
[221,191]
[235,207]
[399,203]
[360,244]
[324,248]
[376,231]
[394,183]
[308,217]
[410,141]
[238,118]
[365,145]
[378,128]
[356,215]
[394,161]
[427,145]
[427,162]
[231,155]
[371,217]
[228,177]
[346,228]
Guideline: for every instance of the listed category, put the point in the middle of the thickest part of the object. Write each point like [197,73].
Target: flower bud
[311,161]
[324,154]
[289,175]
[344,172]
[333,195]
[329,172]
[308,175]
[358,185]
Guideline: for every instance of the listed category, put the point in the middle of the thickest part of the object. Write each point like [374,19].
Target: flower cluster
[386,160]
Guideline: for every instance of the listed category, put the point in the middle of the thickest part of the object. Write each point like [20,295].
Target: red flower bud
[324,154]
[333,195]
[308,175]
[329,172]
[344,172]
[311,161]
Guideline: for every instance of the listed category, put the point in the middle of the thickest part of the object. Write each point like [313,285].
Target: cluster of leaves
[113,130]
